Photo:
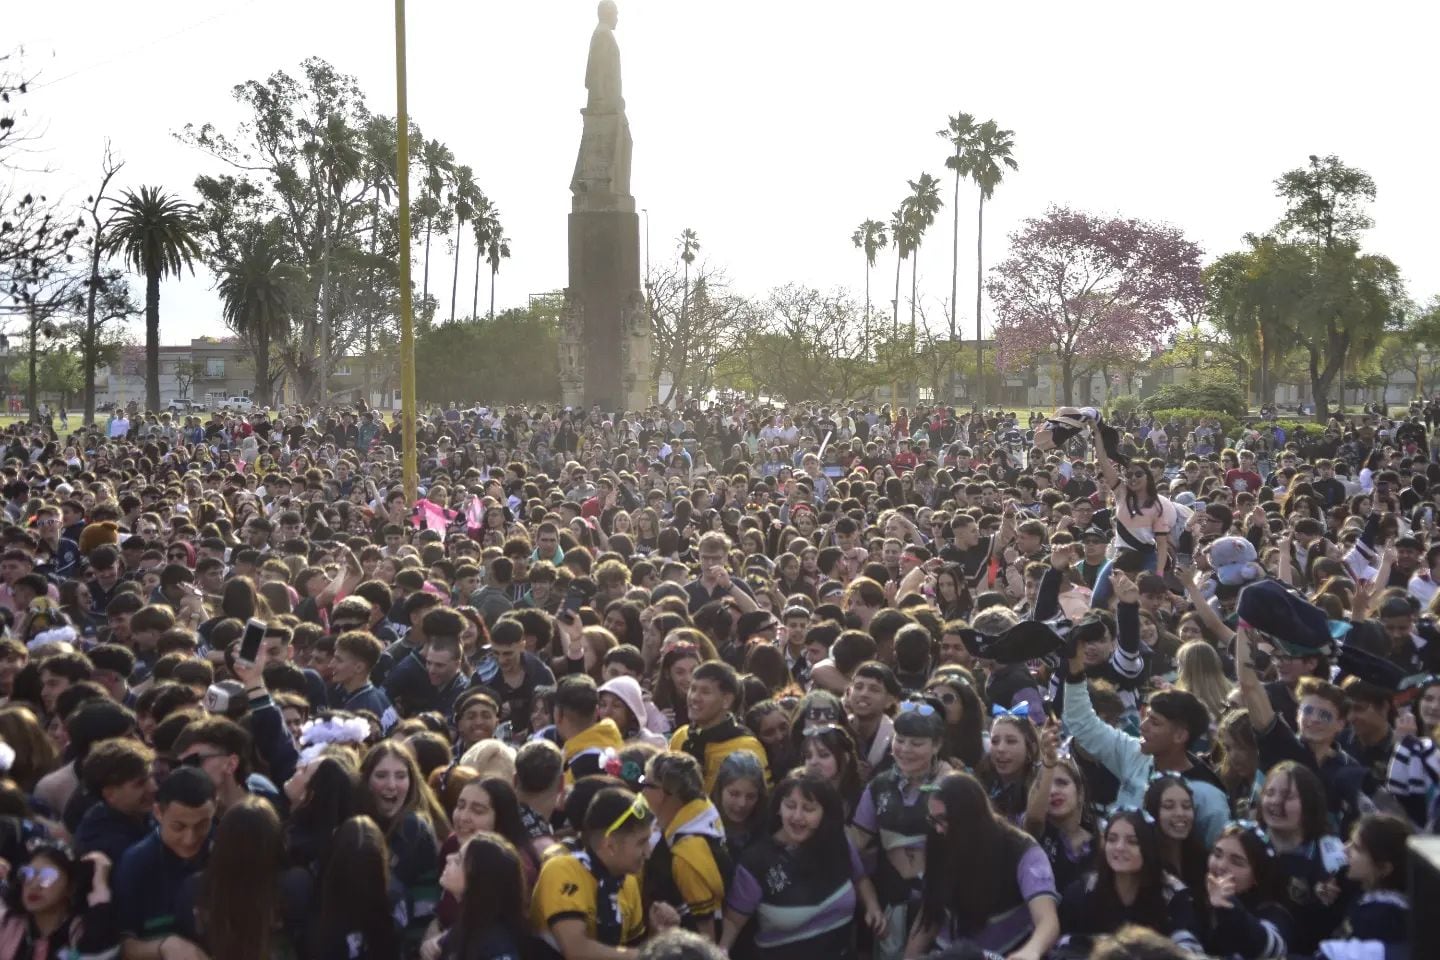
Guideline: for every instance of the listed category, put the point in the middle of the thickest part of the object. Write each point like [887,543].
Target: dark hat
[1027,640]
[1355,661]
[1095,533]
[1293,623]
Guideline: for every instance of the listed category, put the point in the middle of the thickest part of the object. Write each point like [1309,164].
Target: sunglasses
[1137,474]
[946,697]
[1319,713]
[640,810]
[916,706]
[45,876]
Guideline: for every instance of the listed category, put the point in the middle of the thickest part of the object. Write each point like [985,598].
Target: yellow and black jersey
[586,752]
[717,751]
[575,884]
[690,866]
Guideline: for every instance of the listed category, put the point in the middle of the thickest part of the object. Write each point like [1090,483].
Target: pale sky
[774,127]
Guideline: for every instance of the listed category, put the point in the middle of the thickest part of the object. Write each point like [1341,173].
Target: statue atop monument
[602,70]
[602,168]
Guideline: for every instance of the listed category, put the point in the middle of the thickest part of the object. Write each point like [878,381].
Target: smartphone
[251,641]
[580,592]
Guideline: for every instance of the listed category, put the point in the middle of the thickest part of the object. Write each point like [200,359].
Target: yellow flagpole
[408,407]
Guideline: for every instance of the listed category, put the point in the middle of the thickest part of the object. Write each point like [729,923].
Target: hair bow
[1019,710]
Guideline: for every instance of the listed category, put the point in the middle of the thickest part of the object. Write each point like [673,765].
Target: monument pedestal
[605,337]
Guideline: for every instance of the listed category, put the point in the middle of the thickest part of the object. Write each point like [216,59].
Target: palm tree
[920,208]
[689,246]
[437,163]
[900,234]
[959,133]
[499,249]
[989,158]
[484,222]
[155,234]
[380,170]
[870,237]
[259,290]
[464,194]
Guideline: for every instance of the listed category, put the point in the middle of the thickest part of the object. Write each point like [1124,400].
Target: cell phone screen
[251,641]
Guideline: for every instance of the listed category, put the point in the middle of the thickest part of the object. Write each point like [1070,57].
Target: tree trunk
[152,339]
[1067,380]
[425,288]
[914,288]
[895,304]
[262,366]
[979,292]
[32,387]
[867,310]
[455,279]
[493,271]
[955,257]
[475,294]
[89,347]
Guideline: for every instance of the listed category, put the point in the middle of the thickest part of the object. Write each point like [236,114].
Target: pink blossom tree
[1089,290]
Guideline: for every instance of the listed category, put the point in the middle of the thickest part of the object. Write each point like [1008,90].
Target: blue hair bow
[1019,710]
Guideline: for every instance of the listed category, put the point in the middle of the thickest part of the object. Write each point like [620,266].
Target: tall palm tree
[484,222]
[464,194]
[437,165]
[156,234]
[900,234]
[380,170]
[959,133]
[869,237]
[689,246]
[259,290]
[920,209]
[499,249]
[988,161]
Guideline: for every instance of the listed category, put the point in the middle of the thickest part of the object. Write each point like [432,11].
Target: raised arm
[1252,692]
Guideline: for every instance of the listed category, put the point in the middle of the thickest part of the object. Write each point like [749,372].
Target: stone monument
[605,343]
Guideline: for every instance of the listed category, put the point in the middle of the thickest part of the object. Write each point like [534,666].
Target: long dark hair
[1314,814]
[827,850]
[506,806]
[355,891]
[494,896]
[961,864]
[837,741]
[1194,858]
[964,741]
[1261,856]
[330,799]
[240,891]
[1150,909]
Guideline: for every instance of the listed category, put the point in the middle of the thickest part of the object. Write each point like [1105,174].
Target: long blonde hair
[1203,675]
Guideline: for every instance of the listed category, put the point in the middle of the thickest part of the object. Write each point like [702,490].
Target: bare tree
[95,243]
[692,325]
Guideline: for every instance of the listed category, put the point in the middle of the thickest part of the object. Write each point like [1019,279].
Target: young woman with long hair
[1235,755]
[806,873]
[488,805]
[1009,769]
[1244,919]
[485,880]
[240,912]
[964,715]
[1171,802]
[828,751]
[1059,814]
[986,882]
[359,916]
[739,795]
[393,794]
[1294,812]
[1202,673]
[1129,885]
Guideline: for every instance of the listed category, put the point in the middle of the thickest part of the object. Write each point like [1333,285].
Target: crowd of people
[827,681]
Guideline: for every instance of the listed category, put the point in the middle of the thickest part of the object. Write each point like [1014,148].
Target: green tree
[258,291]
[902,237]
[1352,297]
[497,249]
[988,159]
[920,209]
[959,132]
[437,169]
[869,237]
[689,247]
[466,198]
[474,360]
[156,235]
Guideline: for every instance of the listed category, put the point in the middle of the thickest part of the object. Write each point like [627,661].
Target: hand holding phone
[252,641]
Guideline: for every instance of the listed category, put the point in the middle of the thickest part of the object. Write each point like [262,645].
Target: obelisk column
[605,341]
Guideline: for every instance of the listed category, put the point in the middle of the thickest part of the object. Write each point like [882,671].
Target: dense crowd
[825,681]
